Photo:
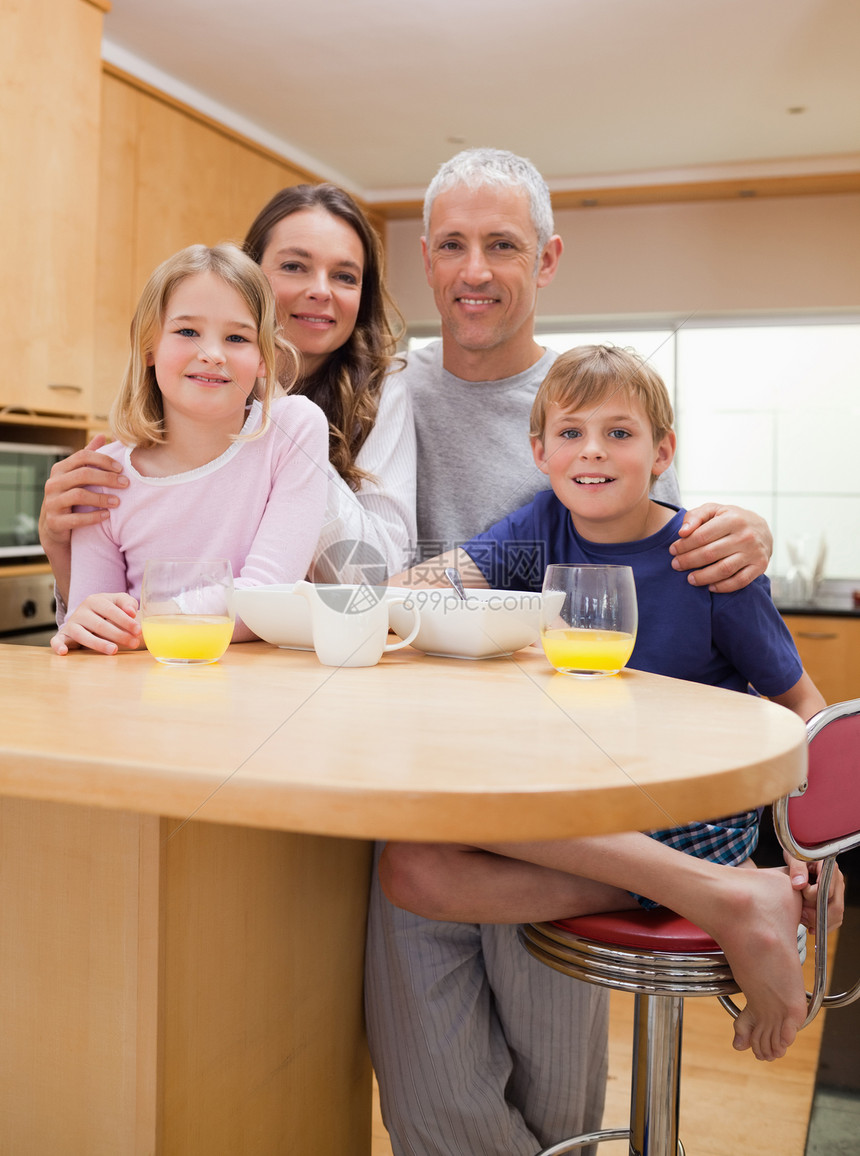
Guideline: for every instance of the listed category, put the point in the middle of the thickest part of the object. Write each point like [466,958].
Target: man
[479,1049]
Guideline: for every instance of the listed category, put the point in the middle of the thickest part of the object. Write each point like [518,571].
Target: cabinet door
[49,140]
[168,178]
[830,651]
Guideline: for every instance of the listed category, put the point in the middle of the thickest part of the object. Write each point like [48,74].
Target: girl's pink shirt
[261,504]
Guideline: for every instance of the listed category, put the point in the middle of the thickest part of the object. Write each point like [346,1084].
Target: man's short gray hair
[495,167]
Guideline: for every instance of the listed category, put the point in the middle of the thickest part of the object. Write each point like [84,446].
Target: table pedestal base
[179,989]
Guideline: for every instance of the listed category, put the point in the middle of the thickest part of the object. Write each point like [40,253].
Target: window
[768,417]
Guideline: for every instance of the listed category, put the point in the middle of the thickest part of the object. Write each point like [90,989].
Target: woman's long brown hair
[347,385]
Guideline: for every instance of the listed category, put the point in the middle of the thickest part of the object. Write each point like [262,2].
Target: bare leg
[753,915]
[462,884]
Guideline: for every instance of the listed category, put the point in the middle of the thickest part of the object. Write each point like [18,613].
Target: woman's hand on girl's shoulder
[64,490]
[102,622]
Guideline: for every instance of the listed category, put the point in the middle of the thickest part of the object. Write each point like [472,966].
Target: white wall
[769,255]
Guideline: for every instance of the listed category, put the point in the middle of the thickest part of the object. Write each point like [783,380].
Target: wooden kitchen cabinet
[830,650]
[169,177]
[50,61]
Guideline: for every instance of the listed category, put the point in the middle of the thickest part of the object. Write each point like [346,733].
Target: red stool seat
[655,930]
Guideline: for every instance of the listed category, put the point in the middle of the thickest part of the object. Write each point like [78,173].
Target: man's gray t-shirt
[475,461]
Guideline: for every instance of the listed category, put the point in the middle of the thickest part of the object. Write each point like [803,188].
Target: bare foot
[757,930]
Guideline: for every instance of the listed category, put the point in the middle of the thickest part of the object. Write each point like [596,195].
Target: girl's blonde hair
[588,374]
[137,414]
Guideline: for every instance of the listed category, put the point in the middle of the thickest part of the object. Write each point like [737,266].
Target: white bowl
[276,615]
[488,624]
[280,616]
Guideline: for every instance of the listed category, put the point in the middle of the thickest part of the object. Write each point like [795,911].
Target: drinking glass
[186,609]
[588,618]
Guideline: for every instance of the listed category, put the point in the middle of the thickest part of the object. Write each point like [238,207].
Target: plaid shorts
[729,841]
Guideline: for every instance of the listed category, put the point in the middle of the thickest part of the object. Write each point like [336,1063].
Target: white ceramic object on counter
[488,624]
[279,615]
[350,623]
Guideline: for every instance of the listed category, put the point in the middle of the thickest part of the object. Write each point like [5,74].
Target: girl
[217,466]
[325,264]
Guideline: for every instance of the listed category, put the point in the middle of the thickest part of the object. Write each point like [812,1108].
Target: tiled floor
[834,1128]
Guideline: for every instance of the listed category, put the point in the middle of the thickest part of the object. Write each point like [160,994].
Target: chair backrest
[822,818]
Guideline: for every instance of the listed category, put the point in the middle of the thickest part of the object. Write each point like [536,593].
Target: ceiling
[375,95]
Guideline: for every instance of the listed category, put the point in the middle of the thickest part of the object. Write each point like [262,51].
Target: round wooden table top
[416,747]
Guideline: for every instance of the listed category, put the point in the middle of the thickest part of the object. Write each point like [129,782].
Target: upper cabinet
[50,61]
[103,178]
[169,177]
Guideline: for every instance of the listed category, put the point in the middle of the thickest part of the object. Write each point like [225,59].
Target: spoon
[453,576]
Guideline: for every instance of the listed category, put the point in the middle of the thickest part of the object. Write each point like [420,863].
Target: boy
[601,429]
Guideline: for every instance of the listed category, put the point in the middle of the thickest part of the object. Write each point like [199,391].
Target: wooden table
[184,863]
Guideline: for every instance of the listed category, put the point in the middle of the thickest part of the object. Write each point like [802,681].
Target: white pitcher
[350,622]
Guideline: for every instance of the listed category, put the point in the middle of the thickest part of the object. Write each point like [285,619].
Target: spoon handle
[453,576]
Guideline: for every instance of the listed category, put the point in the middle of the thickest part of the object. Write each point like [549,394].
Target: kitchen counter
[834,598]
[836,605]
[185,862]
[416,747]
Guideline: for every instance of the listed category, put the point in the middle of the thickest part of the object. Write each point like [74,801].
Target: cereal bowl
[488,624]
[278,615]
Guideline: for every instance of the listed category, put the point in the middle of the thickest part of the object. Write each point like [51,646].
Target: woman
[324,262]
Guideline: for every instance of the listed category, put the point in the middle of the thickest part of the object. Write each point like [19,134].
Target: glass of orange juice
[186,609]
[588,618]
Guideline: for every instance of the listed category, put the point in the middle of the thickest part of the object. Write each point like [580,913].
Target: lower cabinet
[830,651]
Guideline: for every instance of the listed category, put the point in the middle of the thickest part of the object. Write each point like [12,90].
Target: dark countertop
[831,606]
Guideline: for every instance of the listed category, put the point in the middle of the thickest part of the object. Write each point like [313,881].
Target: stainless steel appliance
[24,469]
[27,608]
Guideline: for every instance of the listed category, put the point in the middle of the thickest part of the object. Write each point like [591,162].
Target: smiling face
[315,263]
[482,263]
[206,357]
[601,460]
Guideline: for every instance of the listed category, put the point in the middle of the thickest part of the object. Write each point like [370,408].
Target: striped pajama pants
[479,1050]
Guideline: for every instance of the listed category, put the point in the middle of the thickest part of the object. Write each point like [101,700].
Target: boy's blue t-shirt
[728,640]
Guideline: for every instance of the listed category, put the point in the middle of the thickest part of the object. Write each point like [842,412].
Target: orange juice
[187,637]
[605,651]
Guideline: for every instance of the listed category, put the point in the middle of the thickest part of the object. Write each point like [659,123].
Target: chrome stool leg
[656,1082]
[660,980]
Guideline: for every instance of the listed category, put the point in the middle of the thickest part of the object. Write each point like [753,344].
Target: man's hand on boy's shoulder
[723,547]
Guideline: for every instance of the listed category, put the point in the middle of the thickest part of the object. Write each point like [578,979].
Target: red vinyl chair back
[824,818]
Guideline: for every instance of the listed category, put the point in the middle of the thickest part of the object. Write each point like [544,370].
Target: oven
[24,469]
[27,608]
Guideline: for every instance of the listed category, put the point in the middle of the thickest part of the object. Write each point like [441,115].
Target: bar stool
[664,959]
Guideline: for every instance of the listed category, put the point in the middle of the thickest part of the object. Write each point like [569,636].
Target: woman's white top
[368,534]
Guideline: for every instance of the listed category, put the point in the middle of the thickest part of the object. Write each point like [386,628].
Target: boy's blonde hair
[137,414]
[589,374]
